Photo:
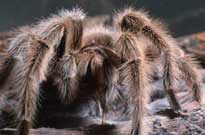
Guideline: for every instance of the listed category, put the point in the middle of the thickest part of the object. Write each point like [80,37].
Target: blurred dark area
[182,16]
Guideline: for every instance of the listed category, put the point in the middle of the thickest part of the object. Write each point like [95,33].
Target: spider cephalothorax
[94,61]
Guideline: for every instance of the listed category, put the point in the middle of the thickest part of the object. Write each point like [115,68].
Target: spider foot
[137,131]
[23,128]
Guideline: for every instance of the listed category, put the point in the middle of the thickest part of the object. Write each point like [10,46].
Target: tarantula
[95,60]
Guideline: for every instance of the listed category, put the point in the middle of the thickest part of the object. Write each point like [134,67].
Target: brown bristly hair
[66,25]
[102,63]
[64,32]
[6,64]
[134,74]
[97,56]
[28,79]
[140,24]
[191,73]
[65,78]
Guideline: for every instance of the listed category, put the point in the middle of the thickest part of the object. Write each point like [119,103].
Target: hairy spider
[94,60]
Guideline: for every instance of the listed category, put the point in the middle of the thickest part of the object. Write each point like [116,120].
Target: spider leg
[140,24]
[168,80]
[66,66]
[64,31]
[60,35]
[65,78]
[29,76]
[131,73]
[134,74]
[190,72]
[6,64]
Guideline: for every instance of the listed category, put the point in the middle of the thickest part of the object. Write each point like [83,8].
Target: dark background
[183,16]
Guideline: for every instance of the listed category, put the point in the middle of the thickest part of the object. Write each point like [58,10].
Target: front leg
[134,73]
[31,73]
[135,77]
